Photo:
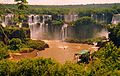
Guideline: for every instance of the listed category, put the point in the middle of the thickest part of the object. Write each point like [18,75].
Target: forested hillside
[39,9]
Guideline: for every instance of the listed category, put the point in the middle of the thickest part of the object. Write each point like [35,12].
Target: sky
[63,2]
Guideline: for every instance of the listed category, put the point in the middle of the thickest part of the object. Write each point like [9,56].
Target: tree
[15,44]
[114,34]
[7,68]
[84,25]
[4,54]
[57,22]
[3,51]
[36,44]
[109,55]
[84,21]
[21,4]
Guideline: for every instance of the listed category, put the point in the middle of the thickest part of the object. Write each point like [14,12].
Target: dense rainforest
[44,9]
[79,9]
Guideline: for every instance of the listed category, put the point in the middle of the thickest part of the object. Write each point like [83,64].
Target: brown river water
[58,50]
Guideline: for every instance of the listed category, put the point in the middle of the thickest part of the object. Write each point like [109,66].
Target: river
[58,50]
[63,51]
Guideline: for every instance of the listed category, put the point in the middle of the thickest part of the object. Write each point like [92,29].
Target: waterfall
[8,19]
[35,28]
[103,17]
[38,26]
[30,18]
[41,28]
[103,33]
[70,17]
[64,31]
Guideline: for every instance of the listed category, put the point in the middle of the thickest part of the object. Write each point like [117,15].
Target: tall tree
[21,4]
[114,34]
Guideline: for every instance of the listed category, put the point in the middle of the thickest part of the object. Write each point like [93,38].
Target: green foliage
[15,44]
[7,68]
[3,53]
[21,35]
[114,34]
[106,61]
[29,67]
[2,44]
[82,10]
[48,67]
[84,25]
[109,56]
[8,33]
[21,4]
[97,68]
[84,21]
[20,17]
[57,22]
[43,67]
[36,44]
[87,41]
[25,49]
[71,69]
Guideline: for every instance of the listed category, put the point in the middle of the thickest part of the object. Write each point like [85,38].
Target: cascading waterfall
[64,31]
[38,27]
[33,27]
[101,18]
[7,20]
[41,27]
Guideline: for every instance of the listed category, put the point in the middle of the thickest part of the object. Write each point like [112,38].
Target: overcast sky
[63,2]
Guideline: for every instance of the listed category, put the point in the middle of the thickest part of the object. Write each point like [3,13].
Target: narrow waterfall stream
[64,31]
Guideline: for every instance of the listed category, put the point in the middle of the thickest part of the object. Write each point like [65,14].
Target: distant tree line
[83,10]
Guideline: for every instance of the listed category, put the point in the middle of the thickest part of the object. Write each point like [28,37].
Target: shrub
[2,45]
[36,44]
[84,21]
[15,44]
[114,34]
[4,53]
[57,22]
[7,68]
[26,50]
[36,67]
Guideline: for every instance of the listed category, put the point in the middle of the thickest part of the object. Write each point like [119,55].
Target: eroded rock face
[116,19]
[41,27]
